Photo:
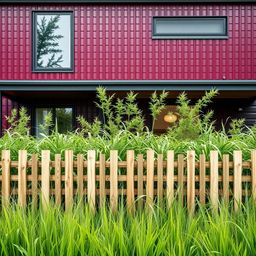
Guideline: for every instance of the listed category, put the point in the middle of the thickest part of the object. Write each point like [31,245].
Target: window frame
[53,107]
[156,35]
[35,69]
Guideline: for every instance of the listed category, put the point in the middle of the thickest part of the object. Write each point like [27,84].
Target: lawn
[153,232]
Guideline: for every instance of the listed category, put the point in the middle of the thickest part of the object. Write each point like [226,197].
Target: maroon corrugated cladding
[114,42]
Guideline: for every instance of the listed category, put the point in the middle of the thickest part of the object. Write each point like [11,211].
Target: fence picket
[130,180]
[6,173]
[150,178]
[102,179]
[113,180]
[214,195]
[22,178]
[253,173]
[34,182]
[225,178]
[45,186]
[191,181]
[80,181]
[202,170]
[160,179]
[91,179]
[140,180]
[69,193]
[57,170]
[170,177]
[237,179]
[181,178]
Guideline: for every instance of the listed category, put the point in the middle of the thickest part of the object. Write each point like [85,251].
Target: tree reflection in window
[48,42]
[52,36]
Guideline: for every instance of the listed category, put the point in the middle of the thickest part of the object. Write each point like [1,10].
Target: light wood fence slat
[6,179]
[57,171]
[237,179]
[225,173]
[69,192]
[22,178]
[102,179]
[130,180]
[91,172]
[202,170]
[140,181]
[113,180]
[34,181]
[214,195]
[45,186]
[150,178]
[191,181]
[170,177]
[80,173]
[160,179]
[253,173]
[181,178]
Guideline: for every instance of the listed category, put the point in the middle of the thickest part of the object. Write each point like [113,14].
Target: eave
[119,1]
[124,85]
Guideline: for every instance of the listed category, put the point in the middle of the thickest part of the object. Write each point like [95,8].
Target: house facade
[54,54]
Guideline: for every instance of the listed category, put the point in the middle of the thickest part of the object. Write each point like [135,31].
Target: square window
[53,42]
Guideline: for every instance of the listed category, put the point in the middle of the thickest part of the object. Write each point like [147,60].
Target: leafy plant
[192,121]
[93,129]
[156,105]
[18,122]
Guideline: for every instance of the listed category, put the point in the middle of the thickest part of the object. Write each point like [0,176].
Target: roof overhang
[124,85]
[119,1]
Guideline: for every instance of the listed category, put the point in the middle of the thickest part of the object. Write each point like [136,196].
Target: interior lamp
[170,118]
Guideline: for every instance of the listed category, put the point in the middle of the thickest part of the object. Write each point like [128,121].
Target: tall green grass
[155,232]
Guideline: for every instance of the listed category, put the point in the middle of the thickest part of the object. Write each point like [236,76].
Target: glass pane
[40,116]
[53,41]
[190,26]
[64,119]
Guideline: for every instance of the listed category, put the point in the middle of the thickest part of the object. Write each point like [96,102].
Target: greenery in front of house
[123,129]
[155,232]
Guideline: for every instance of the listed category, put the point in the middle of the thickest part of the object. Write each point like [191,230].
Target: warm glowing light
[170,118]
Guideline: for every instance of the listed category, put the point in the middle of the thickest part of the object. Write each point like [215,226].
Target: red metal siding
[113,42]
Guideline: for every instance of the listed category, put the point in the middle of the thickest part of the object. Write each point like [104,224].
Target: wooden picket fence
[140,182]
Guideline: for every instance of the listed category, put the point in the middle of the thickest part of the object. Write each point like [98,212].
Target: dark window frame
[52,106]
[34,47]
[156,35]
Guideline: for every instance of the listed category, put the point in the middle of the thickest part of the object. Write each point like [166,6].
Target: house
[55,53]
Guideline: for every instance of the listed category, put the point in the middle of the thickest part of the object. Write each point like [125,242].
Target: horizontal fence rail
[139,181]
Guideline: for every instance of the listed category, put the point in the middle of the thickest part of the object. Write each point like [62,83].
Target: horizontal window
[190,27]
[53,41]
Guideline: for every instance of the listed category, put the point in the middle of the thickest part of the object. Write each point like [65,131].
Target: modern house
[55,53]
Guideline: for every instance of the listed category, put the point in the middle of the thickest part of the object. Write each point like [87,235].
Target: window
[62,117]
[53,42]
[190,28]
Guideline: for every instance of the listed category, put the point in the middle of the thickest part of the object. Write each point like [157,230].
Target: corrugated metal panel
[114,42]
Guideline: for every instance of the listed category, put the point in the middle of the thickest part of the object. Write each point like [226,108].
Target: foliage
[192,121]
[156,232]
[157,104]
[47,124]
[129,133]
[89,129]
[18,122]
[47,42]
[119,114]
